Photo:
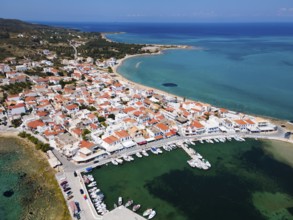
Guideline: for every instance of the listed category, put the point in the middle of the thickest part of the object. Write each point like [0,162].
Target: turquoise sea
[240,70]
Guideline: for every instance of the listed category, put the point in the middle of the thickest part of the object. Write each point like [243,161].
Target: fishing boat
[153,213]
[120,200]
[136,207]
[129,203]
[201,141]
[147,212]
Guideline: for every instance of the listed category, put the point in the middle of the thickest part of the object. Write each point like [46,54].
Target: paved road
[68,167]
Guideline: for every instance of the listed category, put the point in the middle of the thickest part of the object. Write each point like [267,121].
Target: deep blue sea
[244,67]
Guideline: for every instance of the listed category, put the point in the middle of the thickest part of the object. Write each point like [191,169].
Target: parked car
[67,189]
[81,191]
[75,174]
[63,183]
[69,197]
[69,193]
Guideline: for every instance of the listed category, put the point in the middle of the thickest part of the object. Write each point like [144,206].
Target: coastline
[136,85]
[43,177]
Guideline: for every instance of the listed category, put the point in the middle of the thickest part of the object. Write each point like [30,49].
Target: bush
[38,144]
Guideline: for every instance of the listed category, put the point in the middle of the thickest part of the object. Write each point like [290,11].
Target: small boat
[120,161]
[120,200]
[138,154]
[159,151]
[92,184]
[130,158]
[129,203]
[136,207]
[154,150]
[144,153]
[201,141]
[114,162]
[147,212]
[153,213]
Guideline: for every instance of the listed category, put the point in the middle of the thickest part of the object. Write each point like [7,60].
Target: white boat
[201,141]
[159,151]
[92,184]
[129,203]
[136,207]
[120,200]
[92,189]
[216,140]
[120,161]
[229,138]
[147,212]
[130,158]
[144,153]
[192,142]
[114,162]
[138,154]
[126,158]
[154,150]
[153,213]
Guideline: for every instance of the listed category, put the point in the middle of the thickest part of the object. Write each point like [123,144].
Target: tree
[111,116]
[110,70]
[101,119]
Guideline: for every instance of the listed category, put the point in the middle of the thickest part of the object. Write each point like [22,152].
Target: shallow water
[245,182]
[34,196]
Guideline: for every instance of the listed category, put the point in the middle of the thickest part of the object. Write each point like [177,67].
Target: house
[124,138]
[37,125]
[72,109]
[16,109]
[111,144]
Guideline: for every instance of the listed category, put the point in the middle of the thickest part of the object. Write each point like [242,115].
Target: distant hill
[18,26]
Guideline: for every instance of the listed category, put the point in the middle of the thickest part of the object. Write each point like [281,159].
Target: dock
[122,213]
[189,151]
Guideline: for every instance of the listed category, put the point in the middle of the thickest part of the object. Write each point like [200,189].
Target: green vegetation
[101,119]
[85,132]
[63,83]
[16,87]
[38,144]
[111,116]
[16,122]
[99,48]
[88,107]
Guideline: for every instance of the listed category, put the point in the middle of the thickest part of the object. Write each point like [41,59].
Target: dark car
[67,189]
[81,191]
[63,183]
[75,174]
[69,193]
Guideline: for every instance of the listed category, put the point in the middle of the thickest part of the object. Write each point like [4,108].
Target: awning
[128,144]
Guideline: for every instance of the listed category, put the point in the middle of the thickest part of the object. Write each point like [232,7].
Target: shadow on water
[228,194]
[280,173]
[213,197]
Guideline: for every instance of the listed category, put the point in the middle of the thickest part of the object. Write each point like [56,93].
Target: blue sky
[149,10]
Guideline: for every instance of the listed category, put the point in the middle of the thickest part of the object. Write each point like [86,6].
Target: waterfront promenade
[76,183]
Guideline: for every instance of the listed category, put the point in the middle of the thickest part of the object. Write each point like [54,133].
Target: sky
[149,10]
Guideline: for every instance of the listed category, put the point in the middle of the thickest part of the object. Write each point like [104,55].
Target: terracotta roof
[162,127]
[20,105]
[35,124]
[122,134]
[110,140]
[86,144]
[72,106]
[240,122]
[197,124]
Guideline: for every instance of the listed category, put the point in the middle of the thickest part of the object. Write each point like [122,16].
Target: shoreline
[136,85]
[43,171]
[276,121]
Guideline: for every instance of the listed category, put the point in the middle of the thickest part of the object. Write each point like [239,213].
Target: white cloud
[285,12]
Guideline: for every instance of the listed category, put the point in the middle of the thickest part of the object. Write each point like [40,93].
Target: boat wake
[137,65]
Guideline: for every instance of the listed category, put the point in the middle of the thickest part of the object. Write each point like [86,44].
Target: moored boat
[129,203]
[147,212]
[120,200]
[153,213]
[136,207]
